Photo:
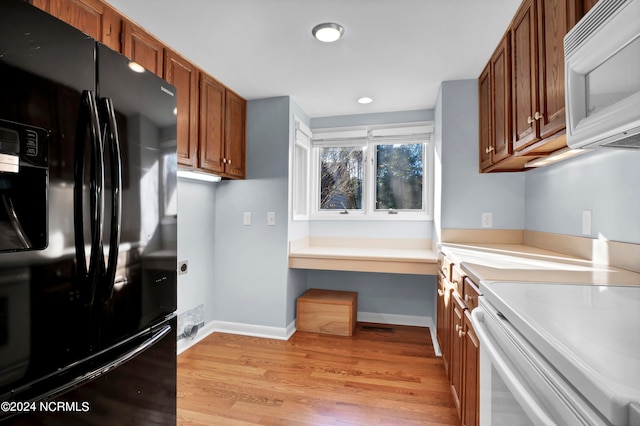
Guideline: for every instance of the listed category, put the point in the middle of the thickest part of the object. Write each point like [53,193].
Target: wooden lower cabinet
[456,363]
[471,365]
[457,297]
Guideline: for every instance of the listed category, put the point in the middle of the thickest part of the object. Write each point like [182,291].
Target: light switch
[271,218]
[246,219]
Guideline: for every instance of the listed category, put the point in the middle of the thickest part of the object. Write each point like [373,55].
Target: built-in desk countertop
[397,256]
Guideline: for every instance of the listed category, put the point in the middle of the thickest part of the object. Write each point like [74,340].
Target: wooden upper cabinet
[111,28]
[184,76]
[212,109]
[485,109]
[501,92]
[85,15]
[235,142]
[524,72]
[555,18]
[141,47]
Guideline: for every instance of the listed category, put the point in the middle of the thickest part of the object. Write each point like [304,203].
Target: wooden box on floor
[328,312]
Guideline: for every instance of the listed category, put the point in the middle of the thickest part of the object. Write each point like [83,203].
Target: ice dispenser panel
[23,187]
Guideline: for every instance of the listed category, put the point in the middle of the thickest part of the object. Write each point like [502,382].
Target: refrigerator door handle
[113,141]
[88,119]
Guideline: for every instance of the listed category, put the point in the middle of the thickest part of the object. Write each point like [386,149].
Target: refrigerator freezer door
[142,289]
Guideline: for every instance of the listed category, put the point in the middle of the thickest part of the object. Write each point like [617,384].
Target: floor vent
[377,329]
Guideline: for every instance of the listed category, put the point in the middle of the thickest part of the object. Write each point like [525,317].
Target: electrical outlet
[271,218]
[586,222]
[487,220]
[246,218]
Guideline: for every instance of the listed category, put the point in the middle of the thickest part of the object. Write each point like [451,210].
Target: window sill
[396,256]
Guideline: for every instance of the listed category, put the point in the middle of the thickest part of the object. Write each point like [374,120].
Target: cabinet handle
[488,150]
[537,116]
[530,120]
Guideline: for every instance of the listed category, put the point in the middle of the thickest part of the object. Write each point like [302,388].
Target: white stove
[580,342]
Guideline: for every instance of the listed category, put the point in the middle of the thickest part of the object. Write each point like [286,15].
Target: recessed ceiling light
[328,32]
[365,100]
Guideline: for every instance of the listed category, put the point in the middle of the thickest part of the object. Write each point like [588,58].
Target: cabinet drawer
[470,293]
[445,264]
[457,279]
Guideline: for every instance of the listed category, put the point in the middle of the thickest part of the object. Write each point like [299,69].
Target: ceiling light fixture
[364,100]
[328,32]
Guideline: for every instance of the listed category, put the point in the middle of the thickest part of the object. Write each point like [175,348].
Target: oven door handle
[514,382]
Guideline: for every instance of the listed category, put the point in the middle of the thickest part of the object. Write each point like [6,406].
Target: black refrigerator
[87,230]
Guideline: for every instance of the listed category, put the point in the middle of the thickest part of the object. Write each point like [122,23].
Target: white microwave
[602,77]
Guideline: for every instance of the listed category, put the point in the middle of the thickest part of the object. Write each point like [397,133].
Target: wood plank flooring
[372,378]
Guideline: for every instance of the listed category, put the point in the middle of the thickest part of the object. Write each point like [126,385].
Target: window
[379,173]
[300,173]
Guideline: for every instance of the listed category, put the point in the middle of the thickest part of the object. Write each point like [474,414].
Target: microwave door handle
[88,119]
[112,139]
[513,381]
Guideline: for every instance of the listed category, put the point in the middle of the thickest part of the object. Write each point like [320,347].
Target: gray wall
[196,236]
[604,181]
[465,194]
[250,276]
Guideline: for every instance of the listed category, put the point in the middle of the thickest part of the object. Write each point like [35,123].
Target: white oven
[558,354]
[602,77]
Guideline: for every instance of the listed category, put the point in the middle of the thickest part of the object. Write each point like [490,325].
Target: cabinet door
[588,4]
[141,47]
[184,76]
[235,123]
[85,15]
[485,111]
[456,366]
[501,88]
[441,315]
[524,72]
[111,29]
[555,18]
[212,108]
[471,363]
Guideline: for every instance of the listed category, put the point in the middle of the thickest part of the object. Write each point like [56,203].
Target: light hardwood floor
[371,378]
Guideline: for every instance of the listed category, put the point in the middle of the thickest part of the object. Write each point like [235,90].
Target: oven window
[612,80]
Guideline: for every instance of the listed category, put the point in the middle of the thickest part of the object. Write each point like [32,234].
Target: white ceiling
[395,51]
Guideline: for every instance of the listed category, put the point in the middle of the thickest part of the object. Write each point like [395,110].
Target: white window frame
[300,173]
[369,138]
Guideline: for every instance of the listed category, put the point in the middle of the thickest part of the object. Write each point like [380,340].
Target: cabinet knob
[228,161]
[224,161]
[530,120]
[440,292]
[458,328]
[488,150]
[461,333]
[537,116]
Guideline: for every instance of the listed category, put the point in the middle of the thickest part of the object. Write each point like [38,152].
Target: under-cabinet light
[561,154]
[198,176]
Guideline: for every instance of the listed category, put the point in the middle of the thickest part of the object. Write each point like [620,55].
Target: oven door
[517,385]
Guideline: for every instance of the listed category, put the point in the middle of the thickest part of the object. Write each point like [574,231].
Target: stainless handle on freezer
[112,139]
[88,119]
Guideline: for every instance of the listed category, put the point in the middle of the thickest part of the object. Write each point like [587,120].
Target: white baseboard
[266,332]
[279,333]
